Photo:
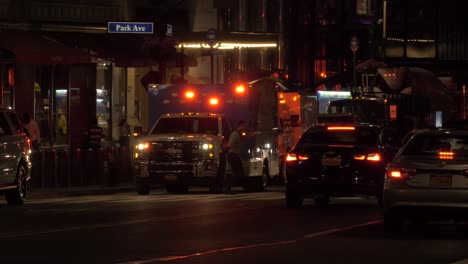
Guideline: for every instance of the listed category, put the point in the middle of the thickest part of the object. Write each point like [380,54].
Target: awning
[123,49]
[35,48]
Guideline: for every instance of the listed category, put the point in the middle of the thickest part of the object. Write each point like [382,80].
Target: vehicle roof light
[214,101]
[341,128]
[190,94]
[240,89]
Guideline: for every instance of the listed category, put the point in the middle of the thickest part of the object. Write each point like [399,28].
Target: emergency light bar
[341,128]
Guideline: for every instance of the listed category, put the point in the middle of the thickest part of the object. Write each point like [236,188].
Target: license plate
[441,180]
[331,162]
[170,177]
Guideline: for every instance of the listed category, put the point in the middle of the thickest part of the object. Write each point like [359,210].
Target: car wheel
[18,195]
[322,199]
[294,199]
[143,186]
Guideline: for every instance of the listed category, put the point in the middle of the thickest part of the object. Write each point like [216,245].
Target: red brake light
[294,157]
[291,157]
[400,173]
[341,128]
[360,157]
[213,101]
[370,157]
[373,157]
[396,174]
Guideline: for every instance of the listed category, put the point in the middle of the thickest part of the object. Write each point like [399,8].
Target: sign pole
[212,64]
[211,37]
[354,69]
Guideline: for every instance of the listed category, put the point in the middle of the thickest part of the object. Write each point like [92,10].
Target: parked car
[428,178]
[15,163]
[337,160]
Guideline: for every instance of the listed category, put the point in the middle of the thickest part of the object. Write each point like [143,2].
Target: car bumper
[340,182]
[207,168]
[424,198]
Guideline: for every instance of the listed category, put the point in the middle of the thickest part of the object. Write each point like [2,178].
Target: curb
[64,192]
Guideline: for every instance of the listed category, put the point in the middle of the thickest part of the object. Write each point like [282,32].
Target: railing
[81,167]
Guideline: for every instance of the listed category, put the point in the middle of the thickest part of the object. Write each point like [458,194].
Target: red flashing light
[213,101]
[240,89]
[341,128]
[323,75]
[190,94]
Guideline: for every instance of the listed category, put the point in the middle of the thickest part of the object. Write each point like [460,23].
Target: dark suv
[15,151]
[337,160]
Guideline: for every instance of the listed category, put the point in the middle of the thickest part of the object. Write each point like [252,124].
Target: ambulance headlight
[207,146]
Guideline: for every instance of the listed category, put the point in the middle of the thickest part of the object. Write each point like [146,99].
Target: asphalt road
[215,228]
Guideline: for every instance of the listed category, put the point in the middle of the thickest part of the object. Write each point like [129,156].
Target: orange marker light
[213,101]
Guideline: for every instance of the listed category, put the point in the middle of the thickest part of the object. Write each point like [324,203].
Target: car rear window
[433,145]
[360,136]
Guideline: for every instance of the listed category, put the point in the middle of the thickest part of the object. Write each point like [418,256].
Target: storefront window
[103,96]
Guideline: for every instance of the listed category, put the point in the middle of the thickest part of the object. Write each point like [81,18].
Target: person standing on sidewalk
[233,156]
[32,129]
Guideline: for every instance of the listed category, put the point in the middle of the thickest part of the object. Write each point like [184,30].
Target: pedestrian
[94,135]
[32,130]
[233,156]
[124,130]
[61,132]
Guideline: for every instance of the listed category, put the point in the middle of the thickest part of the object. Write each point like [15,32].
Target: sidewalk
[36,193]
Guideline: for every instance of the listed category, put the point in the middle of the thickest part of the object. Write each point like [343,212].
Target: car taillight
[373,157]
[400,173]
[369,157]
[295,157]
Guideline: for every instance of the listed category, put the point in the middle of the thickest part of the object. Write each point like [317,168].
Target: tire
[322,199]
[18,195]
[143,186]
[294,199]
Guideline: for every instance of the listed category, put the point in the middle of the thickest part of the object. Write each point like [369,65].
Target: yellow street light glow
[227,45]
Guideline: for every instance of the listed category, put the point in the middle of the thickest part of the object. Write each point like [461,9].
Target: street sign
[130,27]
[211,36]
[354,44]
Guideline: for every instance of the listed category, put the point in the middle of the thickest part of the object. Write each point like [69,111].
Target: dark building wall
[24,88]
[82,101]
